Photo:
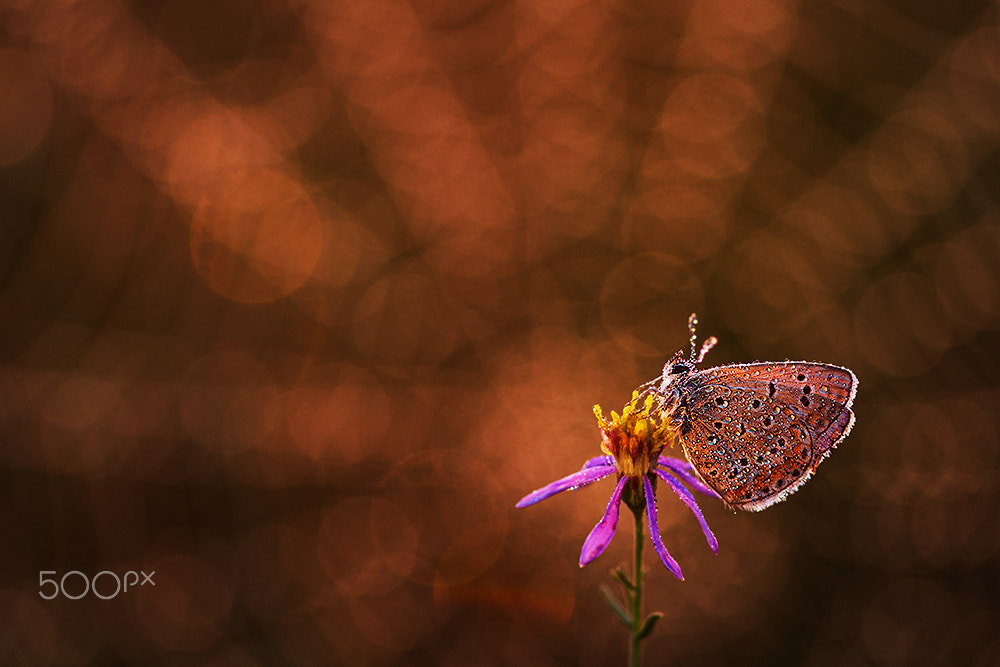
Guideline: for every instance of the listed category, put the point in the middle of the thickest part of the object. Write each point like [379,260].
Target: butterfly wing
[756,432]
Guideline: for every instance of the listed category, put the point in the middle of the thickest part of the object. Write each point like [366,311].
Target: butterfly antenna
[692,324]
[705,347]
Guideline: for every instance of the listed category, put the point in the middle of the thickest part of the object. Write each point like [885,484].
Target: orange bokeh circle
[256,237]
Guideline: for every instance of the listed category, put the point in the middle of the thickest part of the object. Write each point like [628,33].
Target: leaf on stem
[648,624]
[618,574]
[616,606]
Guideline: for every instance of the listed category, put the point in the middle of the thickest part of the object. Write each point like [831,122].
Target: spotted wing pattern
[756,432]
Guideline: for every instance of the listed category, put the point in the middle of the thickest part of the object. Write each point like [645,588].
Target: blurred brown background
[298,298]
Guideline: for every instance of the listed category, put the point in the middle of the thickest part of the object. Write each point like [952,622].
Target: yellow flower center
[636,438]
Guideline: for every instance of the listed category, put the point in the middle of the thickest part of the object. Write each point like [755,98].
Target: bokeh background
[298,298]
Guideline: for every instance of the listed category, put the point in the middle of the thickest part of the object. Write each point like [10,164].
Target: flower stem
[637,593]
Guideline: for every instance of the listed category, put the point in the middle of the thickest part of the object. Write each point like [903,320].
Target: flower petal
[599,461]
[574,481]
[600,536]
[688,498]
[683,470]
[654,531]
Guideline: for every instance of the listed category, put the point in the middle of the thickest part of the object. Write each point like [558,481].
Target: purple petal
[599,461]
[600,536]
[654,531]
[675,463]
[688,498]
[683,470]
[574,481]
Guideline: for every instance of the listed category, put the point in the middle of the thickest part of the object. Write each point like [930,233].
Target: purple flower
[632,444]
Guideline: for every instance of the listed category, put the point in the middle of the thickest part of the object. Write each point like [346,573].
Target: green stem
[637,593]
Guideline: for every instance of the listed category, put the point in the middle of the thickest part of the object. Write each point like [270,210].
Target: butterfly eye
[677,369]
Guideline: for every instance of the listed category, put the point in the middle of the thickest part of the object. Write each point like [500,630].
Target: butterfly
[755,432]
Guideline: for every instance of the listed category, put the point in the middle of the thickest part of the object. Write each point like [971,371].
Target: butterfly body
[756,432]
